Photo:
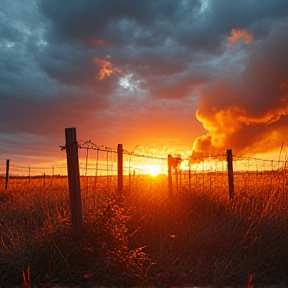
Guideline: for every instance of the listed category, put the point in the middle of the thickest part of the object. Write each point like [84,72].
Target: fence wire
[207,174]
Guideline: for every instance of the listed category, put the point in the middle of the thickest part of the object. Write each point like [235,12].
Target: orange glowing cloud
[239,35]
[98,42]
[106,69]
[233,126]
[247,111]
[221,124]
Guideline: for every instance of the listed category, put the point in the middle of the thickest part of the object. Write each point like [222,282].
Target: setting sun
[154,170]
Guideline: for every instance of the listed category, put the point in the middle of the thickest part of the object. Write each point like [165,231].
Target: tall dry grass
[198,237]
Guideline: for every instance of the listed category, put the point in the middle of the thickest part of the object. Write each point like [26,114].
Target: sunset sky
[153,73]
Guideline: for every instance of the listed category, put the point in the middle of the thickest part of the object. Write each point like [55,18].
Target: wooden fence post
[120,168]
[230,173]
[170,192]
[7,173]
[189,180]
[74,178]
[176,176]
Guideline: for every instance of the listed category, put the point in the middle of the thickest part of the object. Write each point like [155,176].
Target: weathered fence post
[170,193]
[107,170]
[120,168]
[74,178]
[176,175]
[7,173]
[189,180]
[230,173]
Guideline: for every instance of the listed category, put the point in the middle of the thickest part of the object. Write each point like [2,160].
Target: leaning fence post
[169,176]
[7,173]
[230,173]
[120,168]
[74,178]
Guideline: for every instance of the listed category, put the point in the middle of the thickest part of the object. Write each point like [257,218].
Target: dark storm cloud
[10,34]
[70,65]
[80,20]
[152,38]
[87,20]
[44,85]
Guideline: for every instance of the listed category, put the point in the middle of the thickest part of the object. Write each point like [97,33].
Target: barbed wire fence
[98,166]
[101,171]
[205,173]
[99,161]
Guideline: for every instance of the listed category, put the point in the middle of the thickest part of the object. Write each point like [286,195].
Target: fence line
[139,164]
[104,163]
[99,168]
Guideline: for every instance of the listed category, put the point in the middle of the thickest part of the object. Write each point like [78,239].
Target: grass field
[197,237]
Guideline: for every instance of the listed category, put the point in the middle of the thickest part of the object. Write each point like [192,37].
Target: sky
[197,75]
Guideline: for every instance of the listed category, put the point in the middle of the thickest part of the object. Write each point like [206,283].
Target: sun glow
[152,170]
[155,170]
